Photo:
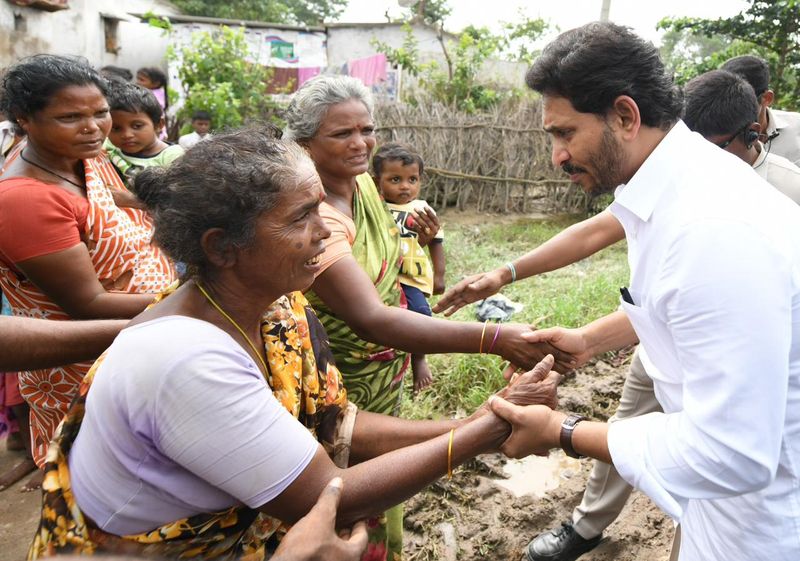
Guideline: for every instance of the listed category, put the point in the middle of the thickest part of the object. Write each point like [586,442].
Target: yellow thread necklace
[233,323]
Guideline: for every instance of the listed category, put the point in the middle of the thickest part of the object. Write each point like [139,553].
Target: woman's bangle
[513,270]
[494,340]
[450,455]
[483,334]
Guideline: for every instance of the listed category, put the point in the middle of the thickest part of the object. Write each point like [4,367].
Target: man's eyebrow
[555,129]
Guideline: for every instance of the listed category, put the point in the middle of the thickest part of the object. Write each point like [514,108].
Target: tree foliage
[767,28]
[432,12]
[308,12]
[217,77]
[458,84]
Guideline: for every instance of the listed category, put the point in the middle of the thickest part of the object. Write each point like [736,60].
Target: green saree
[373,374]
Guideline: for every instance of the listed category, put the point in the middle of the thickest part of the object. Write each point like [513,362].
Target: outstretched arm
[29,343]
[395,327]
[573,244]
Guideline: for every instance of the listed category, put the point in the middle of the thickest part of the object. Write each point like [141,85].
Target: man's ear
[219,252]
[624,116]
[767,97]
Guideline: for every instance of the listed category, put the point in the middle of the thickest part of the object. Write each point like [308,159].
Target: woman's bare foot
[34,483]
[16,473]
[422,373]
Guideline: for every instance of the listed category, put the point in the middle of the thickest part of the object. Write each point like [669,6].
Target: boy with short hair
[397,170]
[201,124]
[137,120]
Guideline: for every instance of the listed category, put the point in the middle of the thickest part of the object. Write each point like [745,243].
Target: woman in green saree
[356,293]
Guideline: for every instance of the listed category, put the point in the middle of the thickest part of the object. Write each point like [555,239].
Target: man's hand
[469,290]
[568,341]
[517,345]
[534,428]
[314,537]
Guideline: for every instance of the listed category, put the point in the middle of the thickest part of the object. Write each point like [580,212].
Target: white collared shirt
[779,172]
[714,254]
[787,125]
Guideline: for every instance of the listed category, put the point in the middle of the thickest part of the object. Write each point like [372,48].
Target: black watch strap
[565,439]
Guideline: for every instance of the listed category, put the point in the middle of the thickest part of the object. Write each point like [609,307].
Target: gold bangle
[483,334]
[450,455]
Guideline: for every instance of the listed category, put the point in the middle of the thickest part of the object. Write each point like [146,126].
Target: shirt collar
[642,192]
[774,122]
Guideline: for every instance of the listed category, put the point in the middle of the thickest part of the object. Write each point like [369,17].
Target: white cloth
[715,278]
[780,173]
[180,421]
[189,140]
[787,143]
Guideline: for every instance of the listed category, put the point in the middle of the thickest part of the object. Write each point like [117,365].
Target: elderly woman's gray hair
[226,182]
[311,102]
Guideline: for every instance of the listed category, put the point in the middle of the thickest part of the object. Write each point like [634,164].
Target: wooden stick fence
[488,162]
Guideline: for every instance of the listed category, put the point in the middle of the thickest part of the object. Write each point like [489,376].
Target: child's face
[134,133]
[399,183]
[201,126]
[145,81]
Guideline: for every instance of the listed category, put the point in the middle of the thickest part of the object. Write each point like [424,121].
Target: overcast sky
[642,15]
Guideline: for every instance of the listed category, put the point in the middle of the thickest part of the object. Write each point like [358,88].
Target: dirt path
[19,512]
[472,516]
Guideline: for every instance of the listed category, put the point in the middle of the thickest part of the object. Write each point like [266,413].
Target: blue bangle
[513,270]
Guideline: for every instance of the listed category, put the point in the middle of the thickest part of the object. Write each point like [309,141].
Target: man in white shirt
[780,129]
[714,300]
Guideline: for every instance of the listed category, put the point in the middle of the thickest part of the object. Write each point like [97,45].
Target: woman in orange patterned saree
[67,249]
[218,414]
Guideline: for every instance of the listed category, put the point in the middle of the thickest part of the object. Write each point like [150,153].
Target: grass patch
[569,297]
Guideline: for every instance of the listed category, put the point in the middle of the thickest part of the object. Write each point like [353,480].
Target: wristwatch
[565,439]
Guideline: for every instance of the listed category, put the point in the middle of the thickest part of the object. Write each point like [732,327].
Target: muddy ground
[471,516]
[474,517]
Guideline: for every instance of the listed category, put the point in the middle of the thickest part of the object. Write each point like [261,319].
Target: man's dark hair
[719,103]
[123,96]
[752,68]
[111,72]
[392,152]
[201,116]
[30,84]
[593,65]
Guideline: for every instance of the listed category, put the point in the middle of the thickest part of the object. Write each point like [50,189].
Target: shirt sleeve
[726,300]
[216,417]
[39,219]
[340,242]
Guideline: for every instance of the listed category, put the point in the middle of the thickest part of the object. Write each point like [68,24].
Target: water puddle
[535,475]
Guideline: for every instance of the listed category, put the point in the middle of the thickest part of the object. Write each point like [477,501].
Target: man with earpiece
[780,130]
[723,107]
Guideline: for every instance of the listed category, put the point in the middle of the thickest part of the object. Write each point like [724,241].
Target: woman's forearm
[373,486]
[384,481]
[375,434]
[38,343]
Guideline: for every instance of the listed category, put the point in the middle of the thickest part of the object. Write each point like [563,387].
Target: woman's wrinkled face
[345,140]
[289,238]
[72,125]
